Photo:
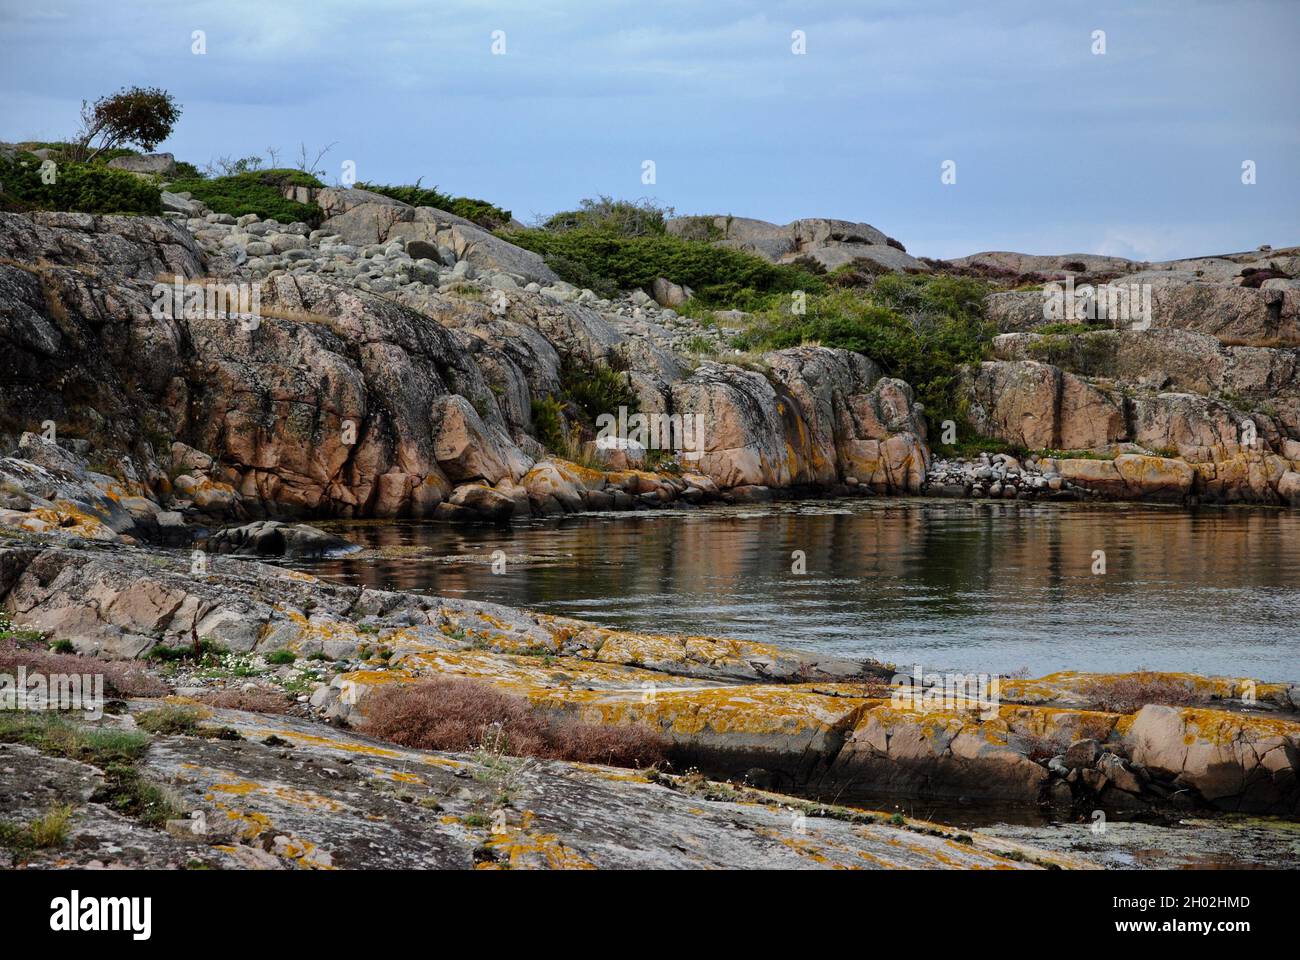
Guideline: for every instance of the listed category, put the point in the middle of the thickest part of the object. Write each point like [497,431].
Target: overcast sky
[1136,152]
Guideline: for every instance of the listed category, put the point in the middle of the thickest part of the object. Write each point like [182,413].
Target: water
[961,585]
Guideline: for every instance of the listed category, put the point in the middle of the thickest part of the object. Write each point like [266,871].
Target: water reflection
[948,584]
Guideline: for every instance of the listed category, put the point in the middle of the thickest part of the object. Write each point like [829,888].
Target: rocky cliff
[391,362]
[402,387]
[1198,398]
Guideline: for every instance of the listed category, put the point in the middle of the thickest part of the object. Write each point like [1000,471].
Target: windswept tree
[143,116]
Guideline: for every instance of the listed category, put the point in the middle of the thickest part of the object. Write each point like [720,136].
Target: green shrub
[921,329]
[701,346]
[971,445]
[81,187]
[486,215]
[548,423]
[700,228]
[581,275]
[587,390]
[67,152]
[257,191]
[207,651]
[721,278]
[43,833]
[281,658]
[595,389]
[169,719]
[620,218]
[132,795]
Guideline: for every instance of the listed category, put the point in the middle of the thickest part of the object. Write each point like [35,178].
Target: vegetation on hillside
[620,218]
[607,263]
[562,423]
[260,192]
[921,329]
[69,185]
[485,214]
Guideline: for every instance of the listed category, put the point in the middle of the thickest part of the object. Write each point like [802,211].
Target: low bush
[121,679]
[548,423]
[921,329]
[52,734]
[43,833]
[169,720]
[135,796]
[621,218]
[252,701]
[79,187]
[206,652]
[595,389]
[461,715]
[721,278]
[1131,692]
[587,390]
[486,215]
[260,192]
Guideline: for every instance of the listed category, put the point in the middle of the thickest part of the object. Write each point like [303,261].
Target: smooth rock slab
[332,799]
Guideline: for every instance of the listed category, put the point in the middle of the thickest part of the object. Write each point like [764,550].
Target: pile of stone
[999,477]
[418,267]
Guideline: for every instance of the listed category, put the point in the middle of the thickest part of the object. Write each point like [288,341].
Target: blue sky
[1136,152]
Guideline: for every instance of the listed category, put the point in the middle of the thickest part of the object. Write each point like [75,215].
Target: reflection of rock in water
[968,586]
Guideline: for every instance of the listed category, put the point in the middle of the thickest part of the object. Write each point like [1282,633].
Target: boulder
[1235,762]
[1081,754]
[669,294]
[48,488]
[463,446]
[150,164]
[1128,476]
[270,538]
[893,752]
[478,248]
[829,243]
[485,502]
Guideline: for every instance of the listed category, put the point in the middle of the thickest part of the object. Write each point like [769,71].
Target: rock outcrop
[829,244]
[397,377]
[1197,400]
[310,398]
[253,791]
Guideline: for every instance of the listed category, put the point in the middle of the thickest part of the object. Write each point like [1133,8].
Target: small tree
[143,116]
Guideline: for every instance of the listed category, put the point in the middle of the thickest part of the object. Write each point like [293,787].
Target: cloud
[1053,144]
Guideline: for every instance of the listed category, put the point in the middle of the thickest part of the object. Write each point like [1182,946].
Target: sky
[1136,151]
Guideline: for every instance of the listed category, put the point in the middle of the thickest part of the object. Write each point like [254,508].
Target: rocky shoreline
[739,720]
[394,366]
[375,381]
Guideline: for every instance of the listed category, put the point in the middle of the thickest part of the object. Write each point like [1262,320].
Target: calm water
[956,585]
